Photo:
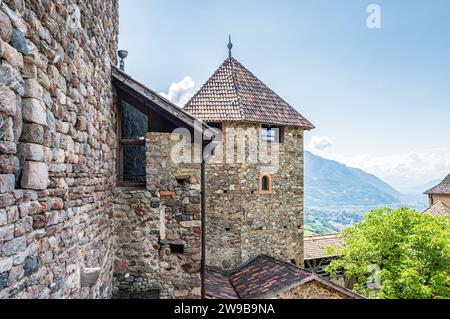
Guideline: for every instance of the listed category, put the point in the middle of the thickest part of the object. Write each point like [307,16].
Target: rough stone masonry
[57,137]
[157,232]
[66,231]
[242,222]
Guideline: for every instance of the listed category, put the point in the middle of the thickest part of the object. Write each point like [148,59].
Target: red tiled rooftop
[265,275]
[218,285]
[233,93]
[438,209]
[442,189]
[316,245]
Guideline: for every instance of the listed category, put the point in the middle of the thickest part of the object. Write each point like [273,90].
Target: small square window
[272,134]
[215,126]
[268,134]
[177,249]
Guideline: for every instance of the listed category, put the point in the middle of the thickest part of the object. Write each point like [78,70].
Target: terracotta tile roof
[263,277]
[234,94]
[442,189]
[438,209]
[315,245]
[218,286]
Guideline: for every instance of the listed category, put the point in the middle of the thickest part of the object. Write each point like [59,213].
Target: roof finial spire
[230,46]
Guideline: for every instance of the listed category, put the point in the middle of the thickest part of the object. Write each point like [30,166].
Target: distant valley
[337,196]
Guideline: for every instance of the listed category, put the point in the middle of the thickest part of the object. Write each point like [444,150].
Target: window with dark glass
[215,126]
[133,125]
[272,134]
[265,184]
[177,249]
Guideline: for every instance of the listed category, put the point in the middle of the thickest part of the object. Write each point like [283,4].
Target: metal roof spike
[230,46]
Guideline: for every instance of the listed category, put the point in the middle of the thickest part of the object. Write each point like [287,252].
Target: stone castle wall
[241,222]
[56,147]
[273,223]
[158,230]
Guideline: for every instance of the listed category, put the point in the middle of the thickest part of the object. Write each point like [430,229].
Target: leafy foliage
[406,251]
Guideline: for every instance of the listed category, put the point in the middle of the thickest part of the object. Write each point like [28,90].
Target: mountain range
[337,196]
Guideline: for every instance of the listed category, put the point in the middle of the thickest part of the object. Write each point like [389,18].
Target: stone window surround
[265,192]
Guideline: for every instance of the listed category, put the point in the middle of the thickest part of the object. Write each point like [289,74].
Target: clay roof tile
[438,209]
[442,189]
[234,94]
[315,246]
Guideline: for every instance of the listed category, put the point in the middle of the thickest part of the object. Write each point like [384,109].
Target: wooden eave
[151,102]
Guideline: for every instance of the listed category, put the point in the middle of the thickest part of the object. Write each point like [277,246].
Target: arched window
[265,184]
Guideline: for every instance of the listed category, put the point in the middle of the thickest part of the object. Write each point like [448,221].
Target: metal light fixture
[123,54]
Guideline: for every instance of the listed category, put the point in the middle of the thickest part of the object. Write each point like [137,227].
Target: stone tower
[254,206]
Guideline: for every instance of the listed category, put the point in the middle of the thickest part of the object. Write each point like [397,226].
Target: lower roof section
[438,209]
[263,278]
[315,246]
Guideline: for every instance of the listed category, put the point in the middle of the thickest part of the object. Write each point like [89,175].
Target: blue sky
[380,98]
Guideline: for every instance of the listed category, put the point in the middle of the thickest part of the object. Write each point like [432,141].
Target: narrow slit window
[265,184]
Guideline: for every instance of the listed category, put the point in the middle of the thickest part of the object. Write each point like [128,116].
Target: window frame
[270,185]
[120,149]
[278,138]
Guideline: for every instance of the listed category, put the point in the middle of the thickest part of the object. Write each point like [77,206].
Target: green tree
[406,252]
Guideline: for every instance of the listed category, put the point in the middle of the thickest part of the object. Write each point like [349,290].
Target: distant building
[316,256]
[439,199]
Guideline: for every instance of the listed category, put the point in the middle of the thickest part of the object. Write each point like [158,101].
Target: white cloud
[180,92]
[401,170]
[321,143]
